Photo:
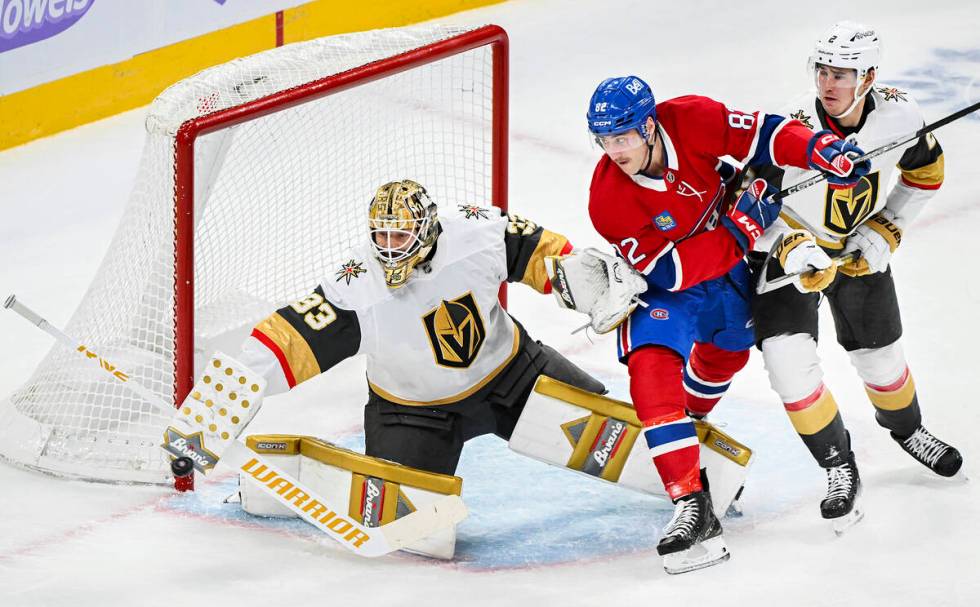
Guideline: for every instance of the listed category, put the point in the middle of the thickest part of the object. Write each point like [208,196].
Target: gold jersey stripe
[815,418]
[456,397]
[535,275]
[893,401]
[299,356]
[357,463]
[930,175]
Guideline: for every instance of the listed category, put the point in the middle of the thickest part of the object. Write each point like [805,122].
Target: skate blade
[843,523]
[707,553]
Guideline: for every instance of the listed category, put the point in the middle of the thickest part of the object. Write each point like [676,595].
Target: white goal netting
[277,200]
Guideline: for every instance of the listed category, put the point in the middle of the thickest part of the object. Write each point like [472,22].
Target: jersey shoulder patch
[355,280]
[802,116]
[891,93]
[474,212]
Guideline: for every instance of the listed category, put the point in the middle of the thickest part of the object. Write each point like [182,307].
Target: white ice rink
[538,535]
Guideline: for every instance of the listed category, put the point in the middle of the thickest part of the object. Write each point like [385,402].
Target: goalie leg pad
[595,435]
[223,401]
[376,491]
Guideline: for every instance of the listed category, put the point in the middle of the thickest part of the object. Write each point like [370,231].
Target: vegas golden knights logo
[456,332]
[846,209]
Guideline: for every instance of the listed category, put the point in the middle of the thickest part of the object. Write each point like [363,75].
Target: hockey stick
[283,488]
[883,149]
[766,286]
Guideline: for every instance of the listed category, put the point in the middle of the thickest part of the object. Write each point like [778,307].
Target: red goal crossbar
[189,132]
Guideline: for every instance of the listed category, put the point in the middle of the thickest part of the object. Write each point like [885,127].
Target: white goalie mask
[851,46]
[404,227]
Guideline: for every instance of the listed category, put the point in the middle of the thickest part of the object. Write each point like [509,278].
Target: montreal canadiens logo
[659,314]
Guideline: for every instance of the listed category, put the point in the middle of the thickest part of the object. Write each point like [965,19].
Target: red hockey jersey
[665,226]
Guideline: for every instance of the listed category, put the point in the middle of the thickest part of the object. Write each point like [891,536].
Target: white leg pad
[560,424]
[376,491]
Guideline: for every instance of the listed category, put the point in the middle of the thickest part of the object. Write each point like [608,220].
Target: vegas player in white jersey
[445,362]
[868,220]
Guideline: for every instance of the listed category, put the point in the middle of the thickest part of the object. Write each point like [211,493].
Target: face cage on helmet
[414,229]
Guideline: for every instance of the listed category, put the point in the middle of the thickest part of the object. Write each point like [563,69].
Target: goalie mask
[404,227]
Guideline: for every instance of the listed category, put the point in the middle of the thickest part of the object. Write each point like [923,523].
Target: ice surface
[536,534]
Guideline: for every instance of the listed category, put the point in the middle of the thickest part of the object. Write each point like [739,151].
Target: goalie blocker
[596,435]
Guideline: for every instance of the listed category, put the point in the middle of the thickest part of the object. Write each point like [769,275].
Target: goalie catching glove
[595,283]
[799,254]
[222,402]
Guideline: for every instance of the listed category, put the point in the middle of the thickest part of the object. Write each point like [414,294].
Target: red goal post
[254,178]
[491,35]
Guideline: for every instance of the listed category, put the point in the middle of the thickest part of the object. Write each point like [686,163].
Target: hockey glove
[752,213]
[798,253]
[595,283]
[875,239]
[834,157]
[222,402]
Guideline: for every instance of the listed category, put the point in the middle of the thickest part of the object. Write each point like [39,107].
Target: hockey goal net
[255,177]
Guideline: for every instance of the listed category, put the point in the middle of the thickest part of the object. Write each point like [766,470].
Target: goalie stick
[365,541]
[878,151]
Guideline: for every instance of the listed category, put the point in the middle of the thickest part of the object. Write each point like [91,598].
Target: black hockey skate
[692,539]
[840,505]
[931,452]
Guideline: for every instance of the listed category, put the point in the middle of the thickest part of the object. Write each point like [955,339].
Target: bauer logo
[24,22]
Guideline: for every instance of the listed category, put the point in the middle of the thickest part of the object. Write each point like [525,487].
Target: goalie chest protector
[443,335]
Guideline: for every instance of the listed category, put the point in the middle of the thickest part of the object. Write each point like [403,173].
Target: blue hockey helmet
[620,104]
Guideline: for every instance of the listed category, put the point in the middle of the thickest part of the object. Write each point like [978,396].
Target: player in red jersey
[658,195]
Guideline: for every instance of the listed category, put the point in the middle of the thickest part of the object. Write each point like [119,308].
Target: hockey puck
[182,466]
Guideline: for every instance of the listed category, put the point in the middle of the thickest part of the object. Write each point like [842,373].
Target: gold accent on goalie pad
[602,405]
[584,448]
[893,401]
[605,407]
[357,463]
[302,363]
[721,443]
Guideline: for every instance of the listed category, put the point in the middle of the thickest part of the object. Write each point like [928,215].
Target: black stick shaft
[885,148]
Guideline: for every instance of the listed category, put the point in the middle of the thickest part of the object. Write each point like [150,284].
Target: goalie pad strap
[357,463]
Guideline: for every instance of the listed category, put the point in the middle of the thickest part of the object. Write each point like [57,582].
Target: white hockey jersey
[434,341]
[831,215]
